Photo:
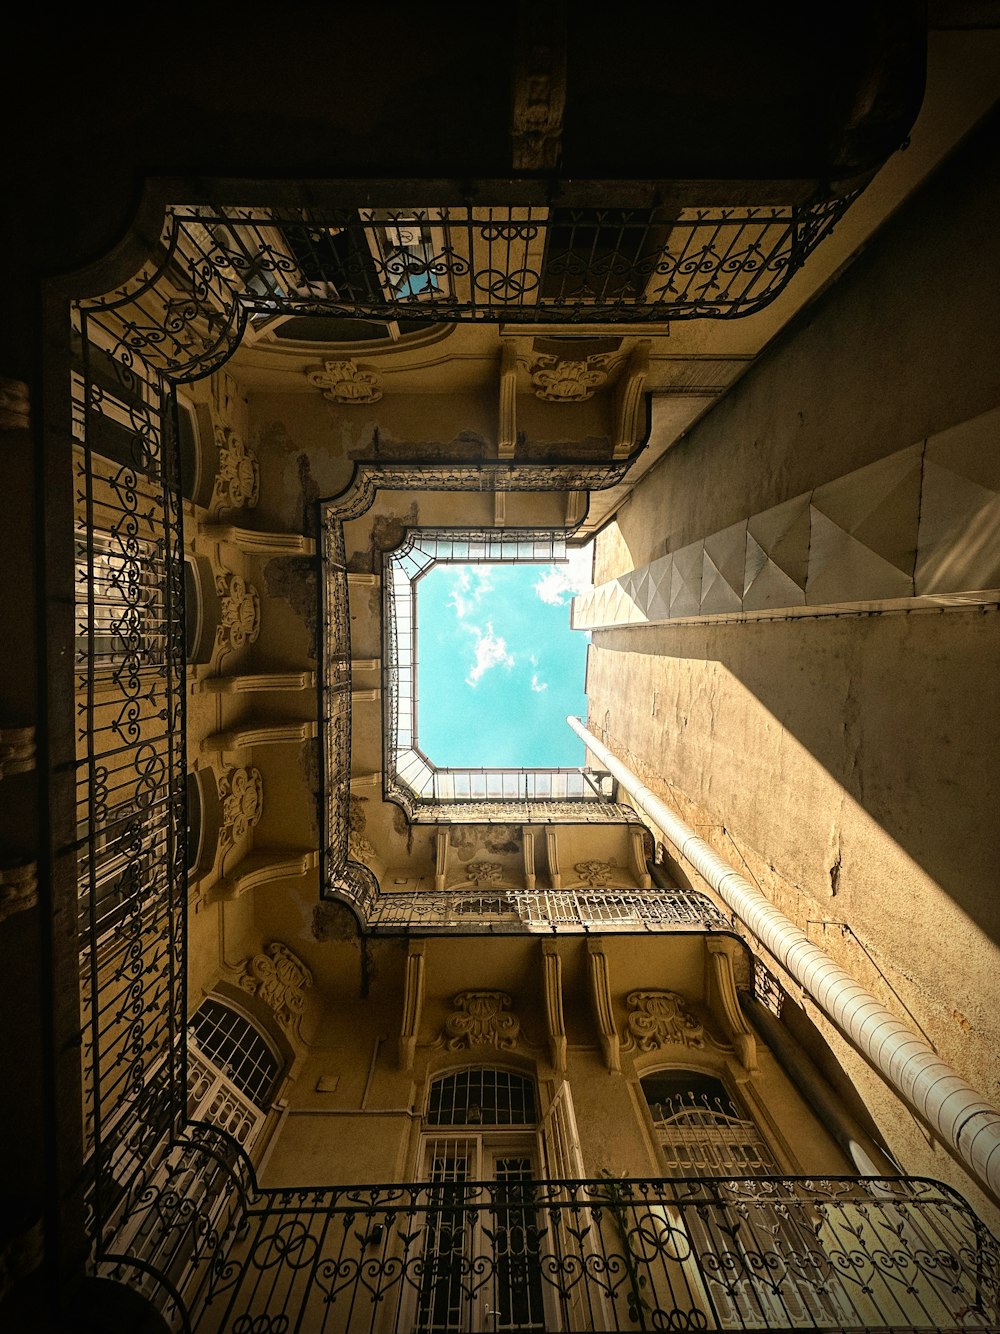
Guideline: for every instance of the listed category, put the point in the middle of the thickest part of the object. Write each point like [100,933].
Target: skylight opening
[482,668]
[498,666]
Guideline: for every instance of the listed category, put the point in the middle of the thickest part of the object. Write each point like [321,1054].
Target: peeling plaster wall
[850,765]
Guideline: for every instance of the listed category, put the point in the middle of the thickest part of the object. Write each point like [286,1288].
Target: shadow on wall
[900,710]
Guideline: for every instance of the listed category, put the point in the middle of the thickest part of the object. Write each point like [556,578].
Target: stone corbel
[500,508]
[721,950]
[604,1013]
[361,579]
[413,1004]
[251,684]
[552,856]
[366,696]
[637,857]
[361,782]
[262,868]
[528,848]
[555,1023]
[441,859]
[18,888]
[248,734]
[254,543]
[507,426]
[630,417]
[17,750]
[576,507]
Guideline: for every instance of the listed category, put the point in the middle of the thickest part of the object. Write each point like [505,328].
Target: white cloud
[561,582]
[491,651]
[468,590]
[536,685]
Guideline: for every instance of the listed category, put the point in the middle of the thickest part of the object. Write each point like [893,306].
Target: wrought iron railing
[536,263]
[834,1254]
[546,910]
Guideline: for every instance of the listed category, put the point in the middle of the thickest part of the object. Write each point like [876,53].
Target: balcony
[835,1254]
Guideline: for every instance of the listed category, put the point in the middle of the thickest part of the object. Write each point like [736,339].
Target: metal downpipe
[948,1104]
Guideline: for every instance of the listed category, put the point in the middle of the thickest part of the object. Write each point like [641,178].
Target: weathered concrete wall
[851,762]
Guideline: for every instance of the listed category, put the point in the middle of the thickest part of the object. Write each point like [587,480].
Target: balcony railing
[833,1254]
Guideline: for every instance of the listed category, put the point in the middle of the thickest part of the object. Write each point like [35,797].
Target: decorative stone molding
[441,839]
[15,405]
[555,1022]
[255,543]
[528,852]
[595,873]
[239,611]
[237,482]
[242,794]
[280,979]
[630,401]
[539,101]
[604,1013]
[722,951]
[249,684]
[484,873]
[262,867]
[659,1019]
[413,1004]
[507,425]
[345,382]
[18,888]
[359,849]
[256,733]
[481,1018]
[557,381]
[17,750]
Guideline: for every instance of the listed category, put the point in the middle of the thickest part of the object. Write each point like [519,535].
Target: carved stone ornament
[281,980]
[659,1018]
[558,381]
[17,750]
[242,793]
[15,405]
[237,482]
[345,382]
[484,873]
[595,873]
[239,611]
[18,888]
[480,1019]
[359,849]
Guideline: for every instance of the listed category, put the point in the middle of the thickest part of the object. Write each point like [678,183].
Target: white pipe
[949,1105]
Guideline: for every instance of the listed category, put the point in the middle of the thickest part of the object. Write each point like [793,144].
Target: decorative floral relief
[481,1018]
[345,382]
[239,611]
[17,750]
[281,980]
[237,482]
[658,1018]
[558,381]
[242,793]
[484,873]
[595,873]
[360,849]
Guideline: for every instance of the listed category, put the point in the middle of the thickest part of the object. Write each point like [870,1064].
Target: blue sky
[498,666]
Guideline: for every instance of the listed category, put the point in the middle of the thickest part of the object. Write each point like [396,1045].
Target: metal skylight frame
[411,777]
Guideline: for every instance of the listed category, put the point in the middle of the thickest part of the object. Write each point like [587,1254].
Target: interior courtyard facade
[302,1031]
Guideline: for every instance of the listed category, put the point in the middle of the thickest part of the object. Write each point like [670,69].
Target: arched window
[482,1097]
[484,1129]
[701,1130]
[233,1070]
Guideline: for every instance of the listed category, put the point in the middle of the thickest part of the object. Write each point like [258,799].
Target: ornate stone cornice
[345,382]
[280,979]
[18,888]
[17,750]
[481,1018]
[239,611]
[237,482]
[659,1019]
[242,794]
